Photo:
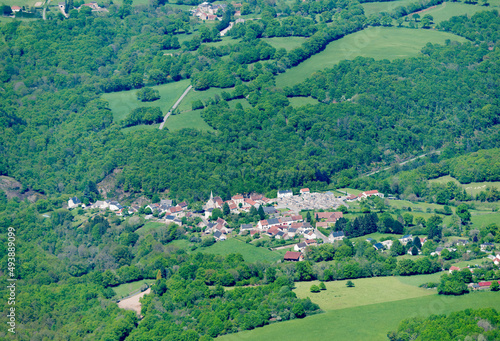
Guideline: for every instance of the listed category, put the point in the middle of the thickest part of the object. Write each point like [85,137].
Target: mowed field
[447,10]
[473,188]
[287,43]
[374,42]
[366,291]
[249,252]
[367,322]
[385,6]
[191,119]
[121,103]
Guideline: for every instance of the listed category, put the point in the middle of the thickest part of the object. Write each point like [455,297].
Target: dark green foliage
[349,284]
[314,288]
[457,325]
[143,115]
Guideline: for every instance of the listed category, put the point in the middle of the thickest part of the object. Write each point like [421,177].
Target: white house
[74,202]
[285,194]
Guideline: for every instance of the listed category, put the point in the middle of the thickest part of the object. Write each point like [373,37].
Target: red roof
[454,268]
[304,190]
[15,8]
[352,197]
[237,196]
[290,255]
[297,218]
[371,192]
[486,284]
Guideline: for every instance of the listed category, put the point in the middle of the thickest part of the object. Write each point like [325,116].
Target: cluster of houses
[480,285]
[364,195]
[237,203]
[208,11]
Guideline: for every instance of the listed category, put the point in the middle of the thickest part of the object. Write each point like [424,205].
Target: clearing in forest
[374,42]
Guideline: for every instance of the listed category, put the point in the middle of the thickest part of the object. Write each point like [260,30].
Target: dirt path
[132,303]
[175,106]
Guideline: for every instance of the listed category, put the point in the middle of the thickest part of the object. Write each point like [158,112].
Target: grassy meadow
[194,95]
[447,10]
[301,101]
[121,103]
[366,322]
[385,6]
[365,292]
[374,42]
[123,290]
[189,119]
[249,252]
[287,43]
[472,188]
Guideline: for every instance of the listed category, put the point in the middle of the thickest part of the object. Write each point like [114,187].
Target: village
[284,220]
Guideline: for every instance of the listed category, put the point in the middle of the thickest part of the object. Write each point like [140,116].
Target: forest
[59,138]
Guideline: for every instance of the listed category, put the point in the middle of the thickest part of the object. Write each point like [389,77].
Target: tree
[158,275]
[6,10]
[225,209]
[414,251]
[298,310]
[408,219]
[417,242]
[495,286]
[148,95]
[397,248]
[262,215]
[434,228]
[463,213]
[314,288]
[350,284]
[322,286]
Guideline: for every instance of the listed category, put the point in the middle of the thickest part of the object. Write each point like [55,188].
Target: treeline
[143,115]
[480,323]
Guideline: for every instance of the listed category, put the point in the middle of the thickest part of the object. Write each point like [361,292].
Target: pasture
[190,119]
[121,103]
[473,188]
[447,10]
[123,290]
[301,101]
[367,322]
[194,95]
[365,292]
[385,6]
[249,252]
[287,43]
[374,42]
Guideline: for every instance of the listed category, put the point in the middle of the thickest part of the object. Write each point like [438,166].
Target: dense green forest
[401,108]
[58,137]
[468,324]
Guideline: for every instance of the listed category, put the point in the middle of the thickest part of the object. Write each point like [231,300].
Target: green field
[485,219]
[189,119]
[151,225]
[249,252]
[121,103]
[368,322]
[473,188]
[194,95]
[386,6]
[123,290]
[366,291]
[447,10]
[287,43]
[374,42]
[301,101]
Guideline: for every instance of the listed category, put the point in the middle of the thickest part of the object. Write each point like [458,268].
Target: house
[280,235]
[238,199]
[487,246]
[214,202]
[351,197]
[263,224]
[378,246]
[293,256]
[286,221]
[219,236]
[16,8]
[244,227]
[387,243]
[183,205]
[322,224]
[297,218]
[74,202]
[371,193]
[337,235]
[93,5]
[484,285]
[285,194]
[269,210]
[305,191]
[310,235]
[311,242]
[292,231]
[273,222]
[454,268]
[273,231]
[405,239]
[438,251]
[462,242]
[300,246]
